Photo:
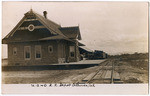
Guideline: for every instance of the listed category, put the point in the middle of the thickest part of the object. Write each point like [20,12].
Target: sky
[114,27]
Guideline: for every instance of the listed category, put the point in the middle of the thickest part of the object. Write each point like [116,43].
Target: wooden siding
[60,54]
[18,59]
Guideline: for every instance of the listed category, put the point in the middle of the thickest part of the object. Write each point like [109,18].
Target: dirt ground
[133,68]
[131,74]
[130,71]
[46,76]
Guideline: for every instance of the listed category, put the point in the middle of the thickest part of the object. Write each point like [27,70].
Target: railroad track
[104,75]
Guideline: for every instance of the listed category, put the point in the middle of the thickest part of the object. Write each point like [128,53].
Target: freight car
[92,55]
[96,55]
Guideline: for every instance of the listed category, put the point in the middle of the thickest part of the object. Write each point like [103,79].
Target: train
[96,55]
[92,55]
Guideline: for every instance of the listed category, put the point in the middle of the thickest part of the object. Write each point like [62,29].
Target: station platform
[83,62]
[63,66]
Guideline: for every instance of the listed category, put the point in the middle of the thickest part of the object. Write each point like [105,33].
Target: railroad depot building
[36,40]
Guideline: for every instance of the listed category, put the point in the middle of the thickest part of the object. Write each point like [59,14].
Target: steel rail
[98,72]
[112,72]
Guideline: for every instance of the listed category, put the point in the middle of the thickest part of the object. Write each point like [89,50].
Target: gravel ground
[131,74]
[128,74]
[46,76]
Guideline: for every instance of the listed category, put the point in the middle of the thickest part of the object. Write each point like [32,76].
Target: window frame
[40,52]
[70,51]
[25,53]
[31,25]
[49,50]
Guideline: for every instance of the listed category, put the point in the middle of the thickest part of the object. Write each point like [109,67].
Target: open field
[133,68]
[125,70]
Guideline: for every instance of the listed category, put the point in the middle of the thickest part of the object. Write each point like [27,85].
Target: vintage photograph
[75,43]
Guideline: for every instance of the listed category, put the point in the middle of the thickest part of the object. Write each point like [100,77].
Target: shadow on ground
[47,67]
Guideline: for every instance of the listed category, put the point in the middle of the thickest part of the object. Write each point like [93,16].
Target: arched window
[50,49]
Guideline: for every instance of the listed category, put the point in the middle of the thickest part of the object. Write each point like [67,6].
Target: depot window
[50,49]
[72,51]
[14,51]
[27,52]
[38,52]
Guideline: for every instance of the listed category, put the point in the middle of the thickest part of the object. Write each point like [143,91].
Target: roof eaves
[69,27]
[81,44]
[58,37]
[72,27]
[79,35]
[85,48]
[15,28]
[55,30]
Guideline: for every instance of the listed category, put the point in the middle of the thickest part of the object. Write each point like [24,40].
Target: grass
[133,80]
[139,60]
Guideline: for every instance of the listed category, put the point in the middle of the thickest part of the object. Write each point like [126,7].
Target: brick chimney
[45,14]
